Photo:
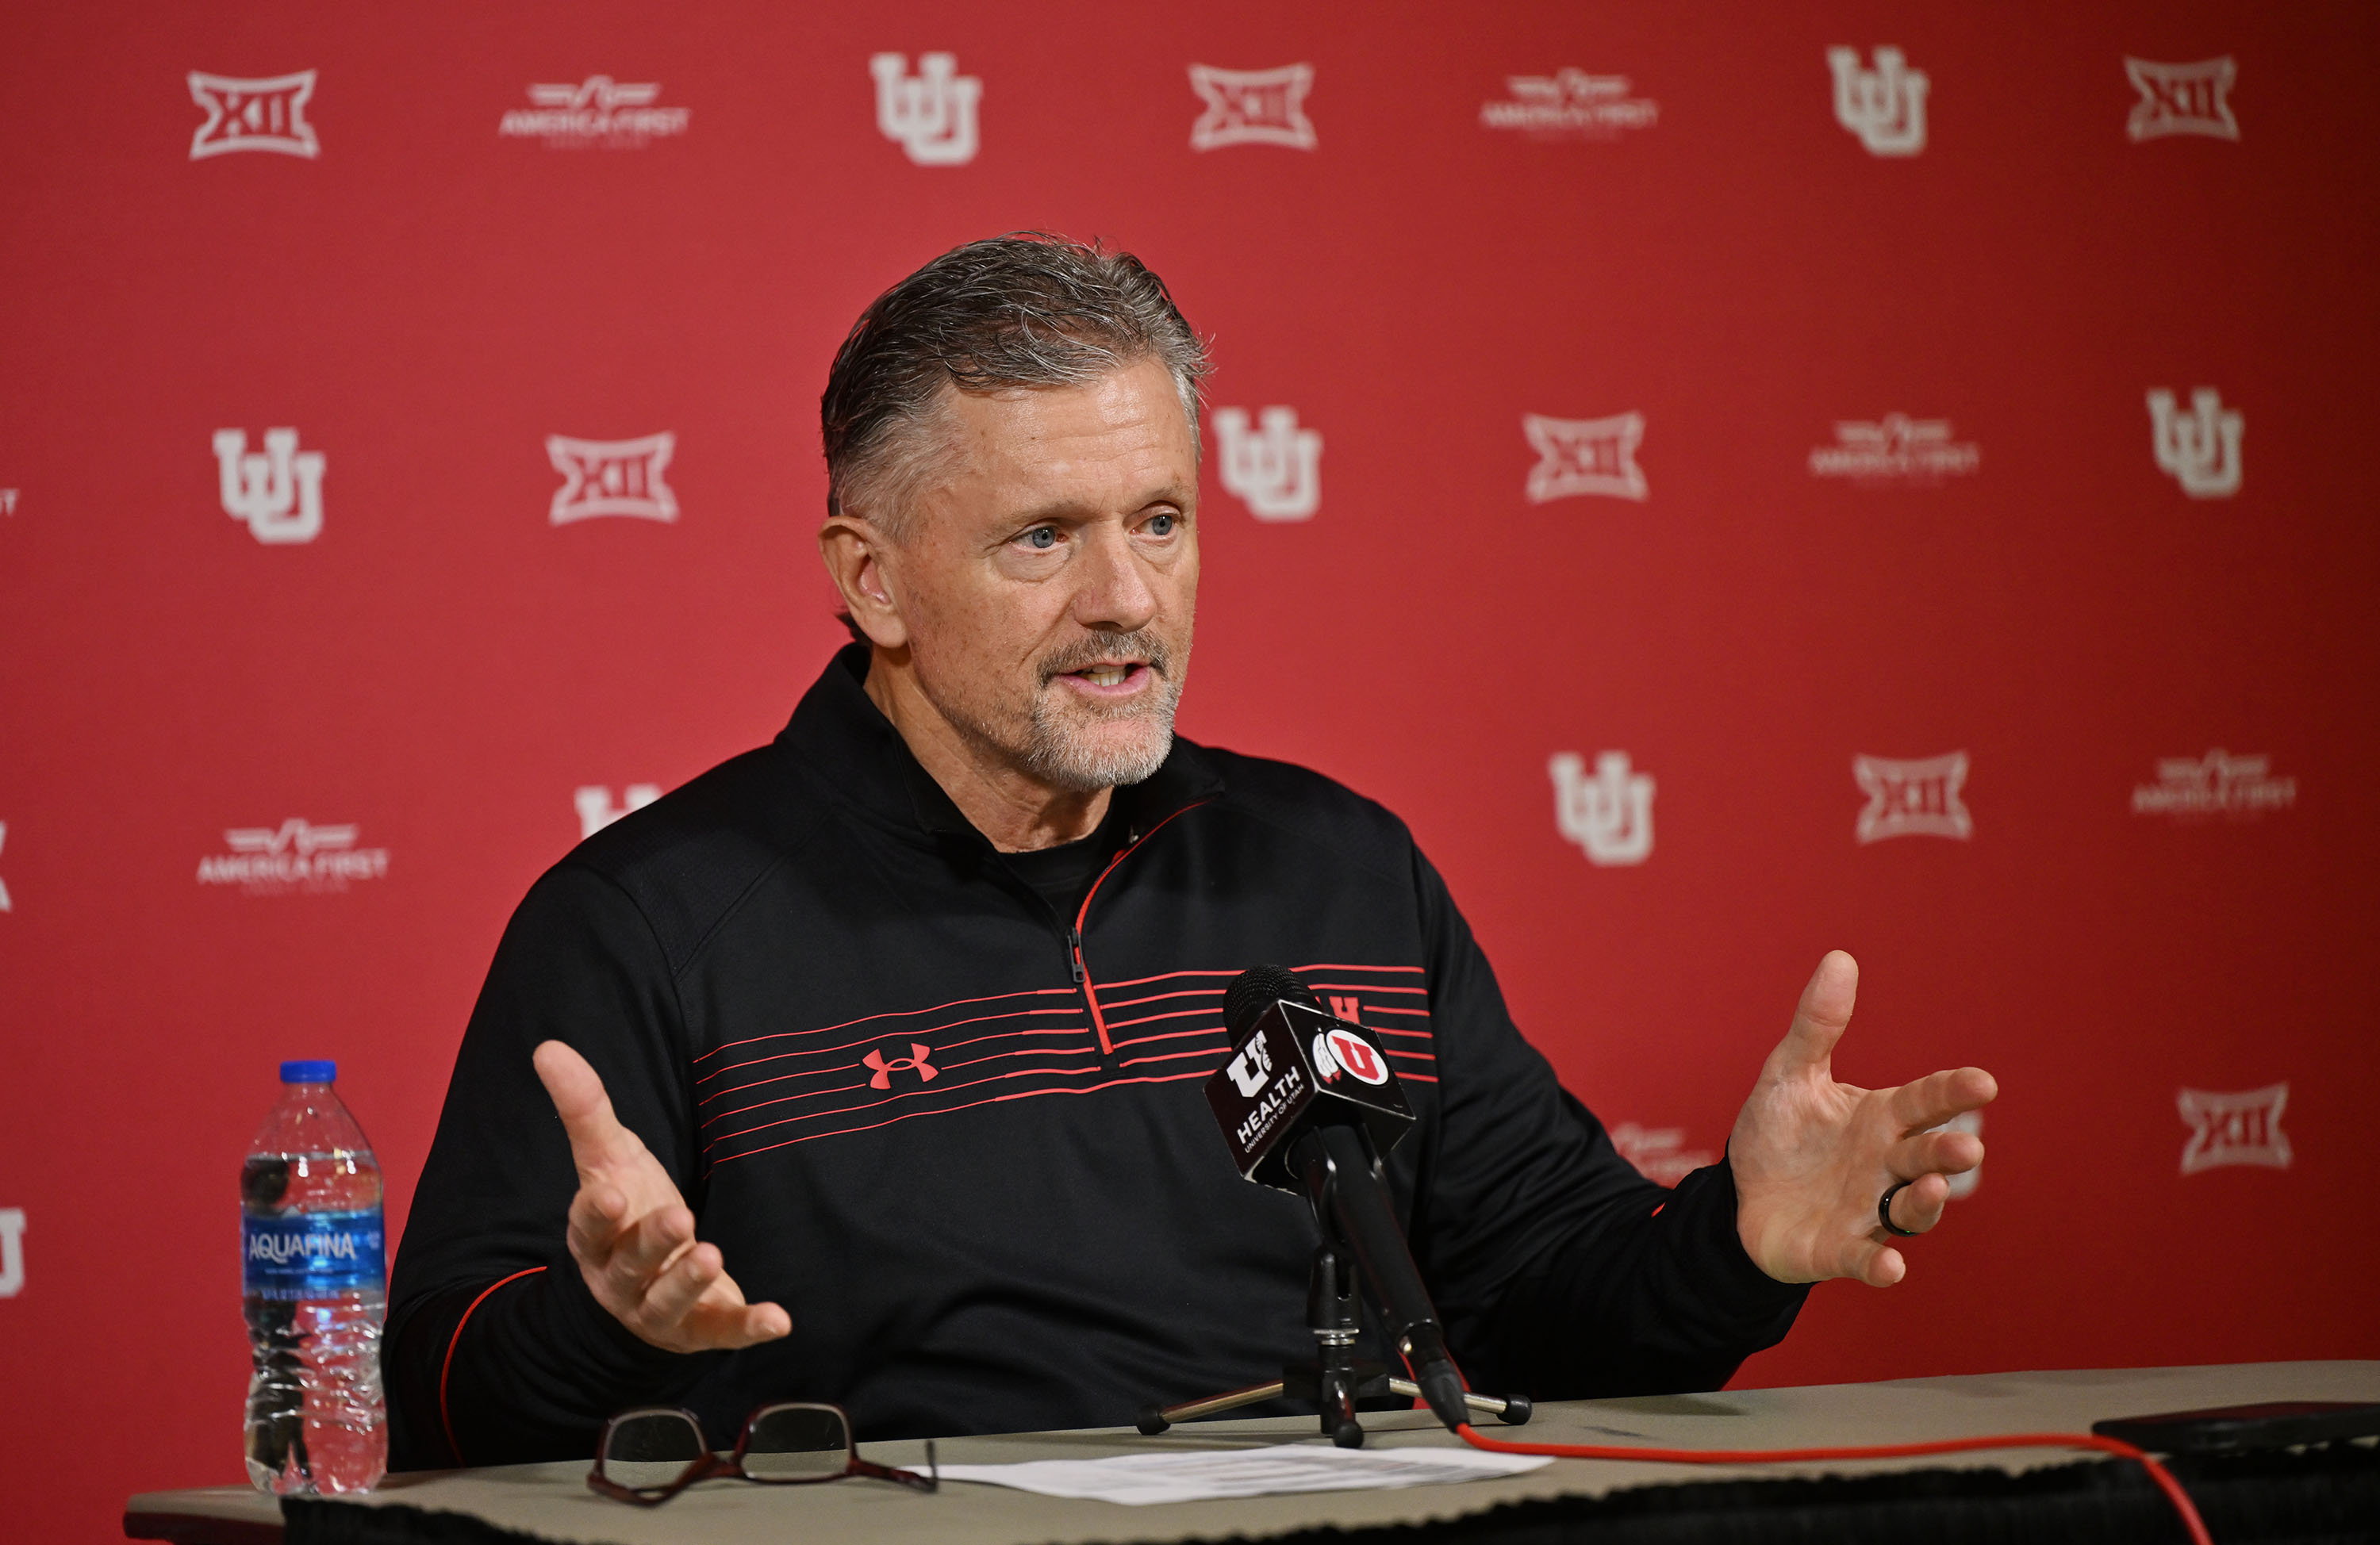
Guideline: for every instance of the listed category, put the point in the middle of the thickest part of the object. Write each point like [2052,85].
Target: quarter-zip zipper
[1074,934]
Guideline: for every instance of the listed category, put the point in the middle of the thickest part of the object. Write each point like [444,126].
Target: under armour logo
[612,477]
[253,114]
[1253,107]
[2243,1129]
[1252,1068]
[595,810]
[2181,99]
[1610,815]
[1585,456]
[931,114]
[916,1061]
[2201,449]
[279,494]
[1276,470]
[1886,107]
[1913,798]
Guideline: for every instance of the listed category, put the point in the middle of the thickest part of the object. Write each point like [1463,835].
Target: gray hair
[1016,312]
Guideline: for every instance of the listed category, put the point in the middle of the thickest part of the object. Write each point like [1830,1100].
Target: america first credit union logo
[931,115]
[2234,1129]
[1917,798]
[612,477]
[2199,448]
[1275,469]
[1895,449]
[297,857]
[1253,107]
[1608,816]
[1578,456]
[598,111]
[2181,99]
[267,114]
[278,494]
[1884,106]
[2242,788]
[1570,104]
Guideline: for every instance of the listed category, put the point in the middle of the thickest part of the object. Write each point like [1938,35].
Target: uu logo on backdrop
[1885,106]
[931,115]
[1608,816]
[596,811]
[1275,470]
[279,494]
[2199,448]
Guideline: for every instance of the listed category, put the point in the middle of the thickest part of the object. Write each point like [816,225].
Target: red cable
[2158,1472]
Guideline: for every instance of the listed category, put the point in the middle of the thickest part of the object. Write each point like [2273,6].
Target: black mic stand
[1334,1377]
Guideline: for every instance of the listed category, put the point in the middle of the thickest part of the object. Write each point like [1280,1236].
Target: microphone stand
[1334,1377]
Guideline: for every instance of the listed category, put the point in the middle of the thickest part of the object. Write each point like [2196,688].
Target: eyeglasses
[650,1455]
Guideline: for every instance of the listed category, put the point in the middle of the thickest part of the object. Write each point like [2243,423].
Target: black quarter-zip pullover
[957,1129]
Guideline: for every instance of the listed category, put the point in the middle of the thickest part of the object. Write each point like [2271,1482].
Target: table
[552,1503]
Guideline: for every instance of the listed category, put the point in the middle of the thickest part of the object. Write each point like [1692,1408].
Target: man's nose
[1113,589]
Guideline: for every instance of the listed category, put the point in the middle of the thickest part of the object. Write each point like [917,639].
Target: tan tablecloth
[552,1501]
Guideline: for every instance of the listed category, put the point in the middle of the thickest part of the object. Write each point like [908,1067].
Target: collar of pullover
[840,732]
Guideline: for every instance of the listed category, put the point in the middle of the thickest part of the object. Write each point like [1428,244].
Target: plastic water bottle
[313,1281]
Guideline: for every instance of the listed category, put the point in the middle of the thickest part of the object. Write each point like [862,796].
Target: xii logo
[268,114]
[1885,106]
[1913,799]
[1276,470]
[612,477]
[1585,456]
[1253,107]
[2200,448]
[932,116]
[1610,815]
[279,494]
[2243,1129]
[2181,99]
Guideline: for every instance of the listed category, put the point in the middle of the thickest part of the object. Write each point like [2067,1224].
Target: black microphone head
[1259,988]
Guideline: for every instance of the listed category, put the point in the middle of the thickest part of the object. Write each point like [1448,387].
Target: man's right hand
[632,1234]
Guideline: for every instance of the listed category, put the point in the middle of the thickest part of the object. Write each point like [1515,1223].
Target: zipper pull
[1074,943]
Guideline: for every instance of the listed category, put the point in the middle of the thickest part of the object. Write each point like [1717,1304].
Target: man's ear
[854,551]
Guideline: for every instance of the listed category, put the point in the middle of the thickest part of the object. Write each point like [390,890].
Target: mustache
[1140,644]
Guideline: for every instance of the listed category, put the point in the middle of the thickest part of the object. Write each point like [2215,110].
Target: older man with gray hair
[904,1016]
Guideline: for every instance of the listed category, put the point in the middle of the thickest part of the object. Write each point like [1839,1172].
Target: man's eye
[1042,539]
[1160,525]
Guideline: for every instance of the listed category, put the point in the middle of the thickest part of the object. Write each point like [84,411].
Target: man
[866,1067]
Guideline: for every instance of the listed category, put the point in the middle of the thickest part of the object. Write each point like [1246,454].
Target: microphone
[1308,1103]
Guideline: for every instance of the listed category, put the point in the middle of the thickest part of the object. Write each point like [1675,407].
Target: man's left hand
[1811,1156]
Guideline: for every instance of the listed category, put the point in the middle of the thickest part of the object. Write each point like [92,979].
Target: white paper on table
[1136,1480]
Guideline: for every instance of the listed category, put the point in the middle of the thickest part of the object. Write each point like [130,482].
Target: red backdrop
[427,268]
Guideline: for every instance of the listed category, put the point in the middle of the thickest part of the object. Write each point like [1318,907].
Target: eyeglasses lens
[796,1442]
[650,1450]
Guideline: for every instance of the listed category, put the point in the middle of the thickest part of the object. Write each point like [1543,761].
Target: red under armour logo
[1346,1008]
[884,1070]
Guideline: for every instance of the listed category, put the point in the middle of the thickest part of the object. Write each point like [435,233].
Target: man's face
[1051,575]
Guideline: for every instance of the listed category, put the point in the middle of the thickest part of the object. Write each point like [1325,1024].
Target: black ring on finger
[1884,1209]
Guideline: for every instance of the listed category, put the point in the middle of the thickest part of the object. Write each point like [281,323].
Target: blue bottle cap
[311,1071]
